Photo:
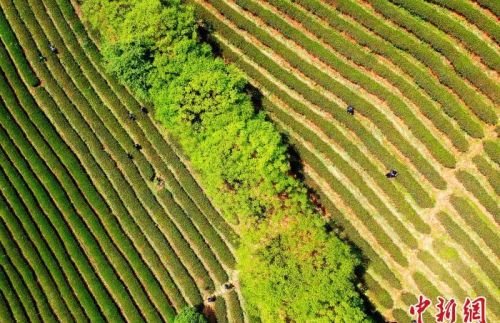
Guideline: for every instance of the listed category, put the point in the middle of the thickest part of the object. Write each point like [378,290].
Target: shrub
[235,312]
[492,149]
[55,220]
[489,172]
[359,56]
[475,187]
[77,173]
[14,245]
[67,202]
[380,294]
[401,315]
[9,39]
[476,220]
[15,311]
[189,315]
[475,16]
[461,63]
[23,282]
[442,272]
[425,285]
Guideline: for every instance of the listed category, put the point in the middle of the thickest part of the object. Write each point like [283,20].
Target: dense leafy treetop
[189,315]
[291,268]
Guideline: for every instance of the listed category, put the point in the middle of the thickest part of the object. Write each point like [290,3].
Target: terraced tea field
[423,79]
[87,233]
[102,218]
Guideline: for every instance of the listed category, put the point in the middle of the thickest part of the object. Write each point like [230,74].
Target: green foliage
[401,315]
[380,294]
[478,221]
[442,272]
[241,157]
[439,43]
[492,149]
[9,39]
[491,174]
[317,283]
[131,64]
[473,14]
[189,315]
[425,285]
[471,183]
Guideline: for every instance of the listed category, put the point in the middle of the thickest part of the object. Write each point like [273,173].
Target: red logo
[446,310]
[419,308]
[474,311]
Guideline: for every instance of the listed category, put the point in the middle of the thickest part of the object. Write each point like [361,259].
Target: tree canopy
[291,268]
[189,315]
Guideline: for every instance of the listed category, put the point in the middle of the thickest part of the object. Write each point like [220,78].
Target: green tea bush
[9,39]
[24,284]
[401,315]
[33,270]
[233,305]
[442,272]
[90,101]
[491,5]
[473,15]
[425,285]
[139,222]
[162,275]
[492,149]
[67,201]
[380,294]
[10,308]
[474,186]
[221,310]
[472,216]
[59,267]
[55,220]
[490,173]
